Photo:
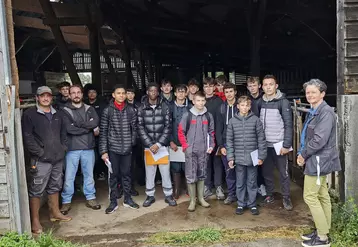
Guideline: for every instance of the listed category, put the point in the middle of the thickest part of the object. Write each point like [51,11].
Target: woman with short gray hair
[319,154]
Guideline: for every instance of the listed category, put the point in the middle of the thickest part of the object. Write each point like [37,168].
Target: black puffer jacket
[154,125]
[245,135]
[118,129]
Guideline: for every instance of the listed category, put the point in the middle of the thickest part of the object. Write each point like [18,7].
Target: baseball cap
[43,89]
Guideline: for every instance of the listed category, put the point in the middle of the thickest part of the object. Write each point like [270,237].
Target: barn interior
[137,41]
[134,42]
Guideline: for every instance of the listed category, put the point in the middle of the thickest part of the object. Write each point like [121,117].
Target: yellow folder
[149,161]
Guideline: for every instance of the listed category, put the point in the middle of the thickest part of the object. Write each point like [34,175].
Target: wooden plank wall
[4,195]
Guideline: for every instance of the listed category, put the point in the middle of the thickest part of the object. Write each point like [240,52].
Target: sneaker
[269,199]
[129,203]
[149,201]
[287,204]
[101,177]
[263,190]
[239,210]
[170,200]
[66,207]
[134,192]
[309,236]
[229,200]
[316,241]
[207,192]
[254,211]
[113,206]
[93,204]
[220,193]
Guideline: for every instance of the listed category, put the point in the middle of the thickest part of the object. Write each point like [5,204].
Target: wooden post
[112,72]
[60,41]
[256,18]
[95,56]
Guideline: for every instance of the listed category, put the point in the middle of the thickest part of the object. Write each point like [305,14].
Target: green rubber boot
[201,200]
[192,194]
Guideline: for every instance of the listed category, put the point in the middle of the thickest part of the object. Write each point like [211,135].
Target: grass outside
[211,236]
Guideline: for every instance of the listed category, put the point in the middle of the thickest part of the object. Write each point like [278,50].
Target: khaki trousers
[319,202]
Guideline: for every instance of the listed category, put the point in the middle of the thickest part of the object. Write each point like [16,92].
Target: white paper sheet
[208,141]
[177,156]
[109,165]
[255,157]
[278,147]
[162,152]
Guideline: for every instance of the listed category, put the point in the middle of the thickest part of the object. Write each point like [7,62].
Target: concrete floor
[87,223]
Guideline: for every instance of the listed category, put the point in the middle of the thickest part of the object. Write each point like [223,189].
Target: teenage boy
[276,117]
[138,172]
[154,128]
[100,170]
[227,110]
[193,88]
[167,90]
[178,108]
[63,96]
[82,126]
[44,135]
[221,80]
[245,135]
[215,167]
[118,133]
[254,88]
[196,135]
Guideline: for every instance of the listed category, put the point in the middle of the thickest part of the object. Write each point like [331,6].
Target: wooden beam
[67,21]
[60,9]
[61,43]
[107,57]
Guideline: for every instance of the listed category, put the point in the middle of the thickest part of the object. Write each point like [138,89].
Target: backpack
[190,116]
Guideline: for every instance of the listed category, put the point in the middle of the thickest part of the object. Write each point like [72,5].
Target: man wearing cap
[44,136]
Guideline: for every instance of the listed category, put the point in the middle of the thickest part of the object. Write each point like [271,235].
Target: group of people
[216,130]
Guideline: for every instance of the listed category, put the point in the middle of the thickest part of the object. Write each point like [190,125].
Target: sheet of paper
[278,147]
[208,141]
[162,152]
[255,157]
[109,165]
[177,156]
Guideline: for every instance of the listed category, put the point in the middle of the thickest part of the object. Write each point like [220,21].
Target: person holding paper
[178,108]
[154,128]
[227,110]
[245,135]
[197,137]
[276,117]
[319,154]
[118,133]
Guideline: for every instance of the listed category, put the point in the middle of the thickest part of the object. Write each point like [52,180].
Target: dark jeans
[281,163]
[260,177]
[177,167]
[121,166]
[246,177]
[138,168]
[214,171]
[99,165]
[230,178]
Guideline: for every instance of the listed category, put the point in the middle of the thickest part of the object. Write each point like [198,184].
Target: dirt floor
[127,225]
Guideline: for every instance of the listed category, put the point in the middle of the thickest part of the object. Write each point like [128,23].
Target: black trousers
[121,166]
[138,168]
[214,171]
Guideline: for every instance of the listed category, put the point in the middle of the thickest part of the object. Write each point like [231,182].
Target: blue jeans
[73,158]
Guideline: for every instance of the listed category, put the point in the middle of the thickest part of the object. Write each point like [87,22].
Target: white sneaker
[263,190]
